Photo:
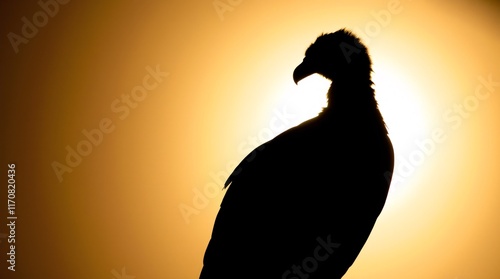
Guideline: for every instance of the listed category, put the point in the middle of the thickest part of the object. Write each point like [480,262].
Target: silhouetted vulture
[303,204]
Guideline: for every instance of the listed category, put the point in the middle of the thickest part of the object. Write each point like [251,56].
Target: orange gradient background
[132,206]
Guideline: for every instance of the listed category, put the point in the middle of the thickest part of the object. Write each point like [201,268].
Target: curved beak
[302,71]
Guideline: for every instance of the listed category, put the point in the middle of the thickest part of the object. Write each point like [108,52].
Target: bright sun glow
[398,101]
[401,108]
[308,98]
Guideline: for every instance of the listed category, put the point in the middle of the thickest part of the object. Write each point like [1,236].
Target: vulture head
[338,56]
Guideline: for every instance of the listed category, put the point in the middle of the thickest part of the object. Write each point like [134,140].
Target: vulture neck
[352,101]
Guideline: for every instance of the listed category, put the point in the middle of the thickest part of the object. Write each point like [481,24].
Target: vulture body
[303,204]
